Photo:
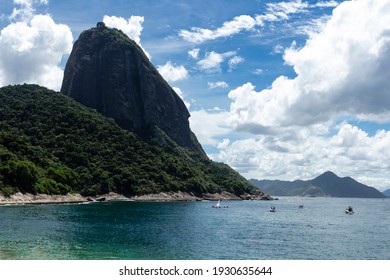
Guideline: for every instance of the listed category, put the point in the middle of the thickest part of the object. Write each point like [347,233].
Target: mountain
[116,126]
[386,192]
[49,143]
[327,184]
[109,72]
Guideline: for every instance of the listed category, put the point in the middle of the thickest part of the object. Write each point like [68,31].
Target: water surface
[195,230]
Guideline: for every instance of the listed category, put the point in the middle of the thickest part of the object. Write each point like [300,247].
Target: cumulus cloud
[341,73]
[132,27]
[219,84]
[208,125]
[312,154]
[342,70]
[223,144]
[172,73]
[31,47]
[212,61]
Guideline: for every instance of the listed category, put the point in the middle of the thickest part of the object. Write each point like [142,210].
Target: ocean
[239,230]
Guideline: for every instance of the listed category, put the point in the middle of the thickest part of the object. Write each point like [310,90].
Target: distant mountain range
[386,192]
[327,184]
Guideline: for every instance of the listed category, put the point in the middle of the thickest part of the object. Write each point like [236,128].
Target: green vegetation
[51,144]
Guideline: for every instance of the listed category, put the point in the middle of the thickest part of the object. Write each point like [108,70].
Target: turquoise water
[195,230]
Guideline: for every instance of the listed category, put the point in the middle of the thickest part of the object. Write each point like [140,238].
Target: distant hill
[386,192]
[327,184]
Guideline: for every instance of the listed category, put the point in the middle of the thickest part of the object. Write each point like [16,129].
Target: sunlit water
[195,230]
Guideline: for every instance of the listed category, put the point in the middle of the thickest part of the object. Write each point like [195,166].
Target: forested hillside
[51,144]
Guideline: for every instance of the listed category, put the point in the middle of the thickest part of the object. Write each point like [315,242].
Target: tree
[20,174]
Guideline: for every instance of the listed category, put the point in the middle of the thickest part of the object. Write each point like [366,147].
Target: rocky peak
[109,72]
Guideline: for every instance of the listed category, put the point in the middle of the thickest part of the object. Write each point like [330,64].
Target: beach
[27,198]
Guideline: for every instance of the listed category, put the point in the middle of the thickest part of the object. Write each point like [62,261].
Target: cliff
[109,72]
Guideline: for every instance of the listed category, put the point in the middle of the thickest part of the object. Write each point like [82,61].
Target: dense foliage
[51,144]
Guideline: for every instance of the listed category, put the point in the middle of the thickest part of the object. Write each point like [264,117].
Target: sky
[276,89]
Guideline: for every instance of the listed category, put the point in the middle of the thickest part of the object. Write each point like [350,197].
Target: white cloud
[278,49]
[311,154]
[239,23]
[132,27]
[172,73]
[212,61]
[26,10]
[258,71]
[341,71]
[275,12]
[31,48]
[223,144]
[181,95]
[283,9]
[326,4]
[234,61]
[219,84]
[194,53]
[209,125]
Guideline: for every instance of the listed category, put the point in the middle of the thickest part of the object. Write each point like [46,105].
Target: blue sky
[276,89]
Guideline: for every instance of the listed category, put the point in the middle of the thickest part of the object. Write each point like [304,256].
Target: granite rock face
[109,72]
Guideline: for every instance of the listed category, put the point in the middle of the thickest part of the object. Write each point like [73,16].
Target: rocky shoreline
[20,198]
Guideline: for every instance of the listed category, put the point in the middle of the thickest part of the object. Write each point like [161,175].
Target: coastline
[27,198]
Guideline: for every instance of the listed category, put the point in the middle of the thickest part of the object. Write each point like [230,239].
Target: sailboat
[218,205]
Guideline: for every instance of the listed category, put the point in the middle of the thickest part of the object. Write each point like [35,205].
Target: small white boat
[272,209]
[218,205]
[349,210]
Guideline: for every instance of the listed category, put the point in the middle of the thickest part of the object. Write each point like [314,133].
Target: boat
[300,206]
[272,209]
[218,205]
[349,210]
